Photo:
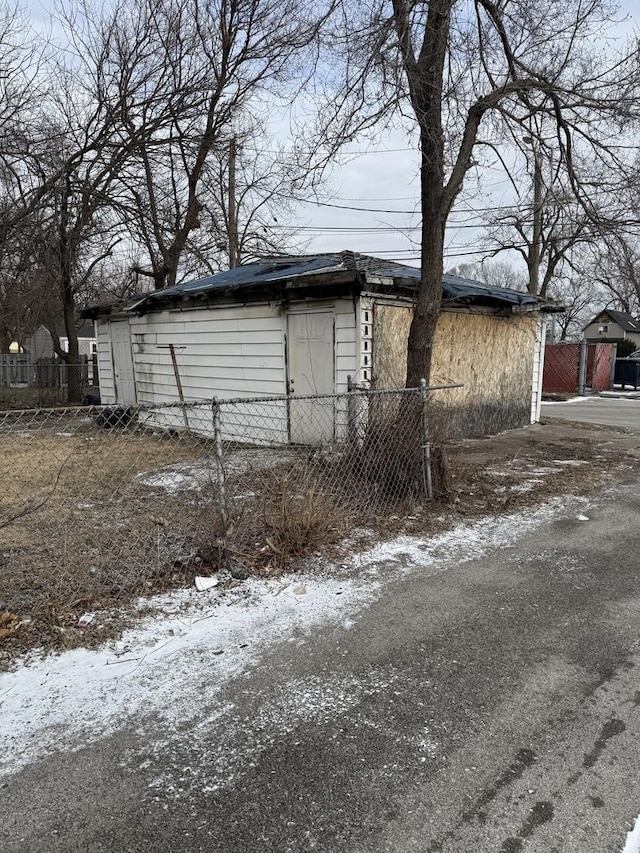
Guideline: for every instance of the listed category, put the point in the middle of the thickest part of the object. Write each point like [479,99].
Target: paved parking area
[610,411]
[471,692]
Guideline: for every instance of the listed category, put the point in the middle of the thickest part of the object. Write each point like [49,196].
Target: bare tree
[579,298]
[68,163]
[248,197]
[19,302]
[56,163]
[123,136]
[181,78]
[614,263]
[74,237]
[545,237]
[459,68]
[498,273]
[547,225]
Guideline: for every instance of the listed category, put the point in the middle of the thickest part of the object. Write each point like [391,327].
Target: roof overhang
[321,277]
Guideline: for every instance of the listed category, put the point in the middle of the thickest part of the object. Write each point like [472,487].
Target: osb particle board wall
[491,356]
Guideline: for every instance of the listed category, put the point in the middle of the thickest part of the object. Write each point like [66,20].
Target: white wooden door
[123,373]
[311,366]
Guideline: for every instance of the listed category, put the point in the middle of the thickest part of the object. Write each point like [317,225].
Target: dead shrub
[297,513]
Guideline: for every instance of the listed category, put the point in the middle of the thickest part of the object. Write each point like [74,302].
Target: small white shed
[303,325]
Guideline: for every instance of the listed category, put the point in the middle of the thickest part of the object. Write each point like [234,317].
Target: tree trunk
[74,378]
[425,75]
[159,278]
[67,296]
[429,298]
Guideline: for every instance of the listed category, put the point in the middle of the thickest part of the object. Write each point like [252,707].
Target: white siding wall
[538,368]
[226,352]
[346,344]
[230,352]
[105,362]
[238,351]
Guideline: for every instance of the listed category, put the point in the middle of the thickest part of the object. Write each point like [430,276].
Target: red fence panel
[562,368]
[600,362]
[561,363]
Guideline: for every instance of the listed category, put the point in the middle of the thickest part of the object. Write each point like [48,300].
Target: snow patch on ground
[460,544]
[621,394]
[633,839]
[72,700]
[194,475]
[570,400]
[211,764]
[526,486]
[194,644]
[179,477]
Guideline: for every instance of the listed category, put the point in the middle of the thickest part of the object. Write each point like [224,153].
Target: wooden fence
[21,371]
[572,368]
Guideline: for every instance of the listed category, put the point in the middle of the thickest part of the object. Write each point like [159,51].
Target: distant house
[610,325]
[304,325]
[40,344]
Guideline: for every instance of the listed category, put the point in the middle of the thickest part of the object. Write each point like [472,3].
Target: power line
[341,153]
[349,207]
[373,229]
[396,198]
[408,255]
[493,209]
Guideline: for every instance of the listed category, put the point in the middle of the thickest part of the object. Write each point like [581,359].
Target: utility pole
[232,215]
[536,242]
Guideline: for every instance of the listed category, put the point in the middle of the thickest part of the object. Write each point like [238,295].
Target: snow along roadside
[197,642]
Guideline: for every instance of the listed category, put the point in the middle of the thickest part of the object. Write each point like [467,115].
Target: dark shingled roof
[297,269]
[624,320]
[86,330]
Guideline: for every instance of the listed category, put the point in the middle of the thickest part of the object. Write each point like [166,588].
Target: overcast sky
[387,178]
[370,203]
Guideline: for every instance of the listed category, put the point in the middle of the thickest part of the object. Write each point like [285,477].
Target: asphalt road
[488,705]
[610,411]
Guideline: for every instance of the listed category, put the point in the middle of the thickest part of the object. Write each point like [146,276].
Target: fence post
[222,491]
[426,445]
[351,412]
[582,367]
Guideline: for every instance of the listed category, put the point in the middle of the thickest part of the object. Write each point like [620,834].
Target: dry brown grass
[73,477]
[81,530]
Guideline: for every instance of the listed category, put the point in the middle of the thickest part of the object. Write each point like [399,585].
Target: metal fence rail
[102,503]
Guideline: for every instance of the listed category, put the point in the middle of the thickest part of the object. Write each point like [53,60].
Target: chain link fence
[100,504]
